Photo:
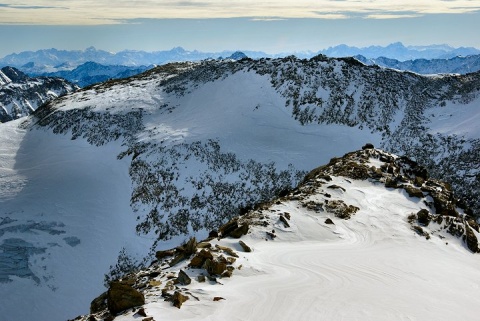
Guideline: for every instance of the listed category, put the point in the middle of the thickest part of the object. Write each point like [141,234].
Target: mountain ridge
[184,147]
[20,95]
[457,65]
[53,57]
[318,212]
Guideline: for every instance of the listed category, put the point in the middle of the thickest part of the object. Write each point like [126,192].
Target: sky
[215,25]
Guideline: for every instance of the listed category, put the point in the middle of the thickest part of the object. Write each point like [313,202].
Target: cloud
[94,12]
[26,7]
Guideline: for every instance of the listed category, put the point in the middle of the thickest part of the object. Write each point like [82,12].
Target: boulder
[178,299]
[239,231]
[191,246]
[244,246]
[227,250]
[163,254]
[413,192]
[141,312]
[368,146]
[183,278]
[214,267]
[199,259]
[99,303]
[471,240]
[329,221]
[423,217]
[228,227]
[122,296]
[284,221]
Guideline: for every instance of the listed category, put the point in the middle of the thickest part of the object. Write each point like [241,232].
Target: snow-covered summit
[365,236]
[97,180]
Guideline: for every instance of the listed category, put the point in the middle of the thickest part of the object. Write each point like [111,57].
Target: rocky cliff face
[21,95]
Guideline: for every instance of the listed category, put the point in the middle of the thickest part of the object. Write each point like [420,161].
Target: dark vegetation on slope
[320,90]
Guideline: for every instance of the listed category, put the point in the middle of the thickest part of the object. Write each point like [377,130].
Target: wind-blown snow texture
[182,148]
[342,246]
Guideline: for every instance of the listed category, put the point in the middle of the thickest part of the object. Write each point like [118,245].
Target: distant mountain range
[455,65]
[91,72]
[96,181]
[400,52]
[54,60]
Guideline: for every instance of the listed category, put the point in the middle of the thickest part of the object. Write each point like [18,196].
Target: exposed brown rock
[413,192]
[122,296]
[329,221]
[471,240]
[199,259]
[204,245]
[183,278]
[244,246]
[178,299]
[141,312]
[177,259]
[163,254]
[284,221]
[336,187]
[99,303]
[218,298]
[239,231]
[423,217]
[227,274]
[214,267]
[368,146]
[227,250]
[228,227]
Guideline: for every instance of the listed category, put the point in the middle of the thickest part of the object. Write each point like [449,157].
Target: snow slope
[64,216]
[372,266]
[128,167]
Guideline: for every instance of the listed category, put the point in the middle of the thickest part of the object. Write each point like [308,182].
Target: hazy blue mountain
[457,65]
[92,72]
[54,60]
[400,52]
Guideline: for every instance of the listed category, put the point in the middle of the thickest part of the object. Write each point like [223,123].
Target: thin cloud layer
[94,12]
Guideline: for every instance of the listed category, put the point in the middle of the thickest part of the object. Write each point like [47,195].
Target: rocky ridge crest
[176,274]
